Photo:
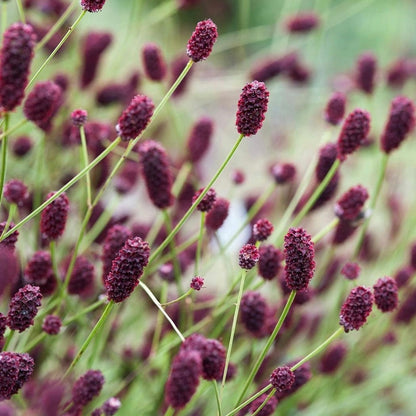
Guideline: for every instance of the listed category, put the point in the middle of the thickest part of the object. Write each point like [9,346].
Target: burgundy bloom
[407,310]
[217,214]
[356,308]
[351,271]
[343,231]
[400,123]
[262,229]
[111,406]
[354,130]
[248,256]
[333,358]
[202,40]
[154,64]
[87,387]
[52,324]
[302,376]
[127,268]
[299,254]
[283,172]
[23,308]
[269,262]
[350,205]
[252,106]
[22,146]
[15,57]
[79,117]
[282,378]
[397,74]
[157,175]
[207,202]
[15,192]
[335,108]
[267,69]
[183,378]
[327,157]
[366,71]
[385,294]
[238,176]
[177,66]
[92,6]
[197,283]
[253,309]
[200,138]
[135,117]
[53,217]
[11,240]
[39,268]
[302,22]
[81,281]
[403,276]
[267,409]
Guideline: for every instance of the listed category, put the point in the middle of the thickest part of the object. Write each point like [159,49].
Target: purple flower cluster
[202,40]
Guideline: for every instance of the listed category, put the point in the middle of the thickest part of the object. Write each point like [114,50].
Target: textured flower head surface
[253,311]
[350,205]
[202,40]
[92,6]
[87,387]
[217,214]
[282,379]
[335,108]
[54,216]
[248,256]
[262,229]
[207,202]
[270,261]
[153,61]
[385,294]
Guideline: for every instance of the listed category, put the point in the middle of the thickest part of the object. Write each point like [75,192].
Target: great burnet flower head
[351,271]
[92,6]
[366,72]
[262,229]
[268,409]
[135,117]
[333,358]
[207,202]
[335,108]
[302,22]
[199,138]
[39,272]
[15,192]
[354,130]
[400,123]
[154,164]
[22,146]
[197,282]
[52,324]
[252,106]
[350,205]
[269,262]
[79,117]
[81,281]
[87,387]
[253,309]
[356,308]
[23,308]
[154,64]
[15,57]
[385,294]
[299,254]
[111,406]
[202,40]
[216,216]
[283,172]
[248,256]
[54,216]
[126,269]
[282,378]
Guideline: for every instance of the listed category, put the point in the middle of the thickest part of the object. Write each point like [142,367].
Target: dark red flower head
[252,106]
[282,379]
[385,294]
[154,164]
[22,146]
[10,241]
[351,271]
[79,117]
[15,192]
[111,406]
[356,308]
[350,205]
[335,108]
[217,214]
[15,57]
[197,283]
[366,72]
[154,64]
[81,281]
[202,40]
[127,268]
[268,409]
[53,217]
[135,117]
[39,268]
[283,172]
[200,138]
[87,387]
[269,262]
[327,157]
[207,201]
[92,6]
[400,123]
[262,229]
[299,255]
[354,130]
[238,177]
[248,257]
[333,358]
[52,324]
[253,309]
[302,22]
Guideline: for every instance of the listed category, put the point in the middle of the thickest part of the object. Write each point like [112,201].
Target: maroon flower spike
[403,276]
[269,262]
[183,378]
[302,376]
[253,309]
[23,308]
[282,378]
[385,294]
[252,106]
[79,117]
[15,57]
[327,157]
[207,202]
[202,40]
[178,65]
[10,241]
[197,283]
[154,64]
[335,108]
[262,229]
[356,308]
[366,72]
[111,406]
[22,146]
[135,117]
[217,214]
[268,409]
[350,205]
[200,138]
[39,268]
[302,22]
[53,217]
[283,172]
[15,370]
[127,268]
[157,175]
[81,281]
[15,192]
[299,255]
[267,69]
[397,74]
[333,358]
[351,271]
[354,130]
[87,387]
[400,123]
[248,256]
[52,324]
[92,6]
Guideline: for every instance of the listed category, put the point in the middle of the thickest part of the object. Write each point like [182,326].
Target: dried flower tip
[54,216]
[127,268]
[335,108]
[87,387]
[252,106]
[111,406]
[154,64]
[202,40]
[283,172]
[217,214]
[92,6]
[350,205]
[269,262]
[135,117]
[200,138]
[354,130]
[207,201]
[385,294]
[23,308]
[79,117]
[282,378]
[262,229]
[15,192]
[253,309]
[52,324]
[197,283]
[366,72]
[356,308]
[400,123]
[302,22]
[351,271]
[299,255]
[15,57]
[333,358]
[248,256]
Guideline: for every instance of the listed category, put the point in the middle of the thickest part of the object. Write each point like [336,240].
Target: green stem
[266,348]
[8,339]
[169,411]
[199,244]
[248,401]
[3,157]
[325,230]
[39,338]
[14,128]
[39,172]
[186,294]
[271,394]
[52,249]
[84,153]
[21,11]
[3,18]
[160,13]
[217,397]
[159,319]
[12,212]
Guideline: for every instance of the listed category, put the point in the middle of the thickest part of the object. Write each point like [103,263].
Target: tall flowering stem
[199,243]
[3,157]
[84,154]
[21,11]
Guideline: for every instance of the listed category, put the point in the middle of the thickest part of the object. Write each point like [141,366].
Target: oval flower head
[202,40]
[92,6]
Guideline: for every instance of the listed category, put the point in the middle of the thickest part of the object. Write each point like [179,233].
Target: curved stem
[217,397]
[84,154]
[185,295]
[325,230]
[12,212]
[3,156]
[14,128]
[248,401]
[271,394]
[52,249]
[8,339]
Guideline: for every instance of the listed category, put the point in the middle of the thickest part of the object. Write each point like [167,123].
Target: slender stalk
[169,411]
[39,172]
[3,18]
[35,341]
[325,230]
[12,212]
[4,156]
[199,244]
[21,11]
[271,394]
[248,401]
[266,348]
[159,319]
[217,397]
[8,339]
[52,249]
[84,154]
[185,295]
[14,128]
